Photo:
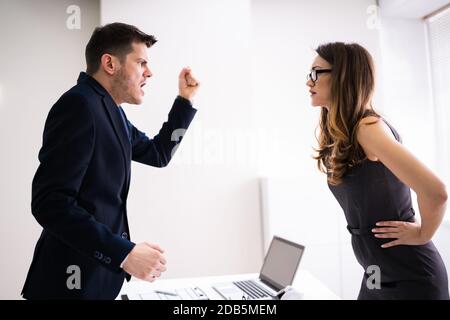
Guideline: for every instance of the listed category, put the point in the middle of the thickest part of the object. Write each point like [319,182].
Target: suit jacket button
[124,235]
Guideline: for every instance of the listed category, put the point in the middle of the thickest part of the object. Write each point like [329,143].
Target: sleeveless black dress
[369,193]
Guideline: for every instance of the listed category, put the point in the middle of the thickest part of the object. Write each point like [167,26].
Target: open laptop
[277,273]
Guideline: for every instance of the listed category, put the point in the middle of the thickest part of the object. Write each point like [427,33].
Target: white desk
[304,282]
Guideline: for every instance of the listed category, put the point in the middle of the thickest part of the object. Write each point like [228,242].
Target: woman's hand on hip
[404,233]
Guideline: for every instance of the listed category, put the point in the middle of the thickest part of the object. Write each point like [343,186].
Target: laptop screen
[281,263]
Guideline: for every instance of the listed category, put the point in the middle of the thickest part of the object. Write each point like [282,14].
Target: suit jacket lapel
[112,111]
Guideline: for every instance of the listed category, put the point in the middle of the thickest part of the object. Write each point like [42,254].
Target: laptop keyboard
[252,289]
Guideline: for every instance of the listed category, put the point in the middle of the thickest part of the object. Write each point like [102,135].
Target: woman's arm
[377,140]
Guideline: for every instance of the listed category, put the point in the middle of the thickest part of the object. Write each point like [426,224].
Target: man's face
[132,75]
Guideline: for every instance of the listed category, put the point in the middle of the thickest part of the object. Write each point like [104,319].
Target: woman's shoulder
[373,130]
[369,120]
[376,125]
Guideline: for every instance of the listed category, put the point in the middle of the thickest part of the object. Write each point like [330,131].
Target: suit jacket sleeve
[158,151]
[68,144]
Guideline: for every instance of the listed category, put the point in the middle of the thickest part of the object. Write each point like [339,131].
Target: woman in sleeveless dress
[370,173]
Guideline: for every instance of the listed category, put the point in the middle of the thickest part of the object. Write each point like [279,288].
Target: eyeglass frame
[316,72]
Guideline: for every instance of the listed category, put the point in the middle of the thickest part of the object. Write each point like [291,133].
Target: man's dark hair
[115,39]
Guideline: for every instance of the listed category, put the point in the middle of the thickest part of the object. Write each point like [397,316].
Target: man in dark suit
[79,192]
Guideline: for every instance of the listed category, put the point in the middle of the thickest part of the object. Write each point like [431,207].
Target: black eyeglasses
[313,74]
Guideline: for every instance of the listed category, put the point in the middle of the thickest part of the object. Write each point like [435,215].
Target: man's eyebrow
[142,60]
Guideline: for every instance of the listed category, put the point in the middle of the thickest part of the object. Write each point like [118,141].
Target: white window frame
[438,47]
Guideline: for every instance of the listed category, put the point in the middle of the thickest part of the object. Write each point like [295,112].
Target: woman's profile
[370,173]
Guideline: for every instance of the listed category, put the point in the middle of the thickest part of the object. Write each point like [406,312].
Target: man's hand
[187,84]
[145,262]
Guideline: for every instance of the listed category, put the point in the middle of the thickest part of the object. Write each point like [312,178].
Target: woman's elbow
[436,194]
[442,194]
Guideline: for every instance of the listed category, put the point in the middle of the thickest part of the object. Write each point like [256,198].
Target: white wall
[299,204]
[406,84]
[285,34]
[252,57]
[40,59]
[204,207]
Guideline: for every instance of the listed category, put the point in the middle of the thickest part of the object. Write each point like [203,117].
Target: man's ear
[109,64]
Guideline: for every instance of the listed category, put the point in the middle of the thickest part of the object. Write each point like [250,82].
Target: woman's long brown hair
[352,86]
